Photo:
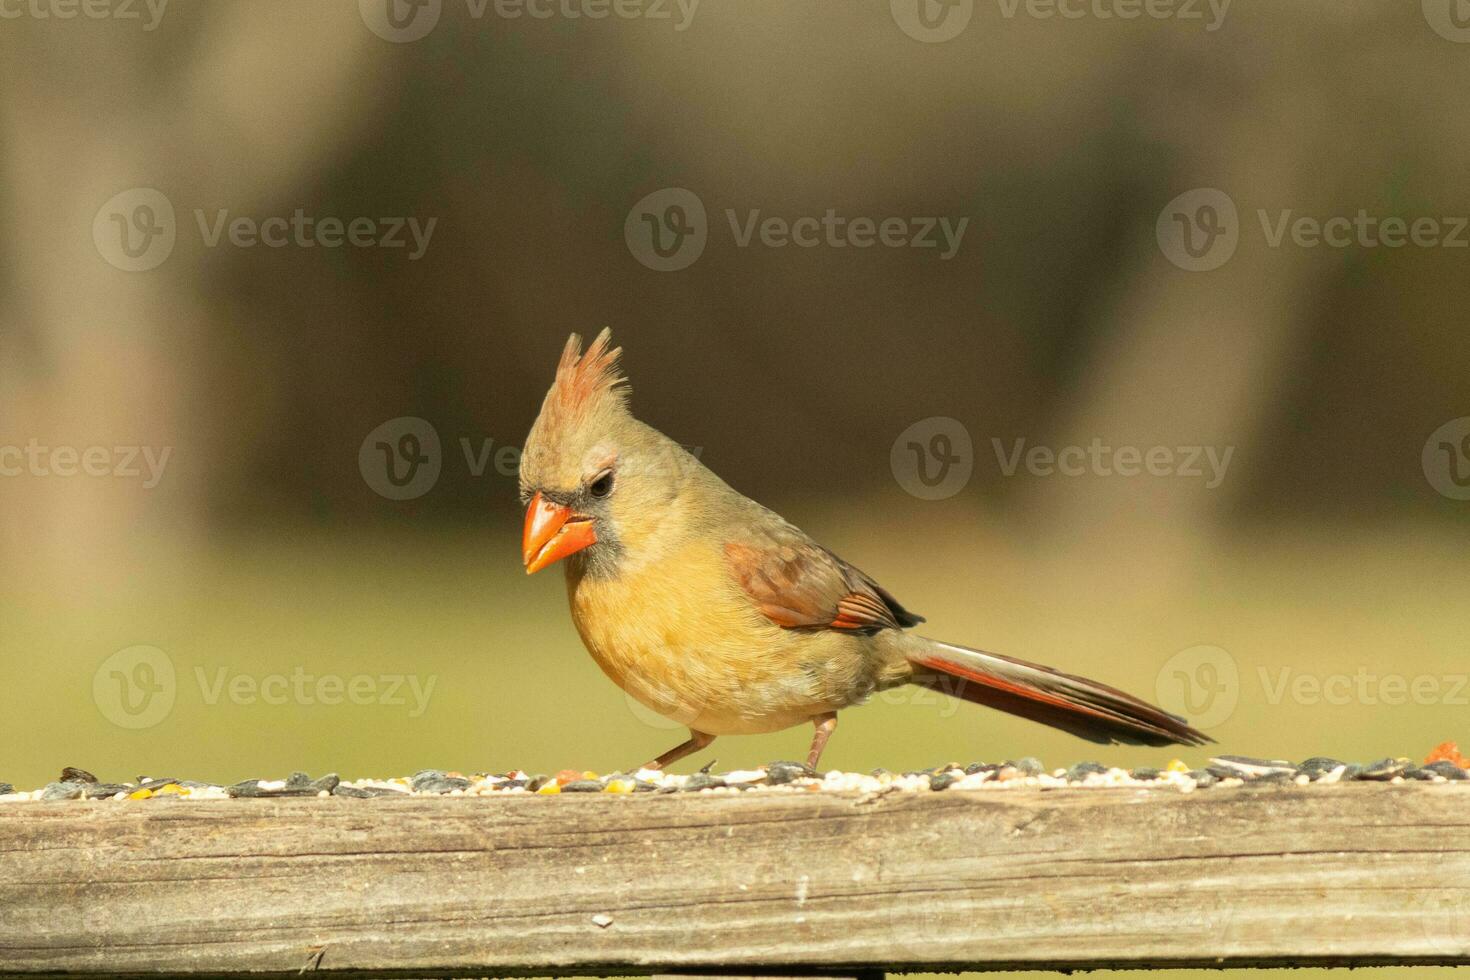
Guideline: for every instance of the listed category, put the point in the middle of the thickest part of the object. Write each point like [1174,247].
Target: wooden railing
[757,883]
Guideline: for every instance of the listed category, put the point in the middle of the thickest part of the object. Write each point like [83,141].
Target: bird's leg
[826,725]
[695,742]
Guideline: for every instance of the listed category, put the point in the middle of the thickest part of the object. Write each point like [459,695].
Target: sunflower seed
[444,784]
[702,780]
[1318,765]
[1084,769]
[1242,764]
[327,783]
[941,780]
[1269,778]
[425,776]
[780,773]
[1447,769]
[245,789]
[144,783]
[582,786]
[366,792]
[1384,769]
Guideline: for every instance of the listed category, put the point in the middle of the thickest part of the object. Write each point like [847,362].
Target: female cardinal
[713,611]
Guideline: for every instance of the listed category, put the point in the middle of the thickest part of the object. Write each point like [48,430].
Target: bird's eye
[602,486]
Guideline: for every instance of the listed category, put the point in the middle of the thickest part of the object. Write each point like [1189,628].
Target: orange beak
[553,532]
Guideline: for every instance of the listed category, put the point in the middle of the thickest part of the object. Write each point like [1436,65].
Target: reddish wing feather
[797,584]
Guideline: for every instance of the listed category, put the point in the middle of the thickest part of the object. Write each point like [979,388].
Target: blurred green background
[1314,602]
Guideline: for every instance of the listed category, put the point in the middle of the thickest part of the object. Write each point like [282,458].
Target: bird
[715,612]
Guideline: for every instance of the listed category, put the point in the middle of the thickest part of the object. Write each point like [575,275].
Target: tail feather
[1085,708]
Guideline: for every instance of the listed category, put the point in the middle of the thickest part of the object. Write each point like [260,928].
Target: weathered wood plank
[757,883]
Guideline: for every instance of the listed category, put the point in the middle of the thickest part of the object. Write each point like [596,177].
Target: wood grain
[760,882]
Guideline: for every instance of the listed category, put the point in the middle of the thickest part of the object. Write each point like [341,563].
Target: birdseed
[778,777]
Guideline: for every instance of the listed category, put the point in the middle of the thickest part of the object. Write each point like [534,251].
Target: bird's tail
[1083,707]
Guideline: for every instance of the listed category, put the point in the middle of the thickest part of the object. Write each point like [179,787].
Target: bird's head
[595,480]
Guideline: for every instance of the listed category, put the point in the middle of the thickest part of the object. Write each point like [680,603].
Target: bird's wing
[797,584]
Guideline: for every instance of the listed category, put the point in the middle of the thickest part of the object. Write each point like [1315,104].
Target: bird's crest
[585,378]
[586,400]
[588,385]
